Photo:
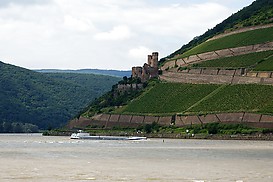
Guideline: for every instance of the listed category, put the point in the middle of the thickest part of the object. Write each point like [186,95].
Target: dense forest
[46,100]
[259,12]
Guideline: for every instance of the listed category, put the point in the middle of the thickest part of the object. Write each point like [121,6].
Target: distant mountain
[46,99]
[118,73]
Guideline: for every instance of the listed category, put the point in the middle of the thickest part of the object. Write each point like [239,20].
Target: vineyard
[171,98]
[266,65]
[257,60]
[235,98]
[237,40]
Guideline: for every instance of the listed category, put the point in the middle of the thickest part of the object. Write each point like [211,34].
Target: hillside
[260,12]
[117,73]
[225,75]
[203,99]
[46,100]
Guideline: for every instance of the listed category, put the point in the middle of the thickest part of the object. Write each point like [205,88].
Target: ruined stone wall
[115,120]
[128,87]
[136,72]
[218,54]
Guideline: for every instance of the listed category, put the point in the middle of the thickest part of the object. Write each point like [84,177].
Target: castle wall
[128,87]
[149,69]
[136,72]
[154,61]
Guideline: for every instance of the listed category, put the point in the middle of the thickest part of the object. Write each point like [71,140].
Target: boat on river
[83,135]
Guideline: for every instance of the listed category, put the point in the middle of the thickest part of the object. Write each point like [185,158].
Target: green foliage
[209,128]
[242,61]
[169,98]
[263,16]
[46,100]
[226,129]
[150,128]
[15,127]
[110,101]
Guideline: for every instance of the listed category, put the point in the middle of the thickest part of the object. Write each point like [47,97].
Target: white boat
[83,135]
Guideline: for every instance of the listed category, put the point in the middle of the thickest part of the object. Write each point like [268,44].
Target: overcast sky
[104,34]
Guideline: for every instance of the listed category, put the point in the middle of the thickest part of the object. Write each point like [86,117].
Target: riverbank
[256,136]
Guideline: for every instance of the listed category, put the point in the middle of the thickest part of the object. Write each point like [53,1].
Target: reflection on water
[32,157]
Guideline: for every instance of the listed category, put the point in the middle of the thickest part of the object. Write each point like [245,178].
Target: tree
[1,127]
[7,127]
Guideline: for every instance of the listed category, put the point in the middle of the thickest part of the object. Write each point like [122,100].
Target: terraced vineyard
[266,65]
[237,40]
[171,98]
[242,61]
[235,98]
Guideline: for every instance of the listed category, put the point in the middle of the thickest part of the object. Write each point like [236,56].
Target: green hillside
[168,98]
[258,13]
[161,98]
[237,40]
[46,100]
[173,98]
[260,61]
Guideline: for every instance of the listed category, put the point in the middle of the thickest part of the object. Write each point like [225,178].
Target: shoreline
[257,136]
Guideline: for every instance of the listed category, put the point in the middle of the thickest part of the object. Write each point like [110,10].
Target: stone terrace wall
[209,76]
[218,54]
[110,121]
[246,29]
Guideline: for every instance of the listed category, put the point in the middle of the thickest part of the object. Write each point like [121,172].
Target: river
[33,157]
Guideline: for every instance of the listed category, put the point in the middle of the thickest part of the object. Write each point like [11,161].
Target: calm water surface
[32,157]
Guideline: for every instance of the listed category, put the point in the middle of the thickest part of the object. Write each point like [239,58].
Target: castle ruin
[149,69]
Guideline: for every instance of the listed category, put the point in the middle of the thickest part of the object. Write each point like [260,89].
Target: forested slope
[46,100]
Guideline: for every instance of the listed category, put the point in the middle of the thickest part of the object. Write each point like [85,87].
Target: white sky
[104,34]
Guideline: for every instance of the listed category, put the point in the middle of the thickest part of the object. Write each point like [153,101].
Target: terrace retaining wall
[210,76]
[110,121]
[230,52]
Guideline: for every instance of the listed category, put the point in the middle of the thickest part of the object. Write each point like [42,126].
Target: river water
[33,157]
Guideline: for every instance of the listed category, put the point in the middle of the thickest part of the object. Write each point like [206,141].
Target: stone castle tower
[149,69]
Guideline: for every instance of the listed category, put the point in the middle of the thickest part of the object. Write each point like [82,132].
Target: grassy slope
[170,98]
[242,61]
[236,40]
